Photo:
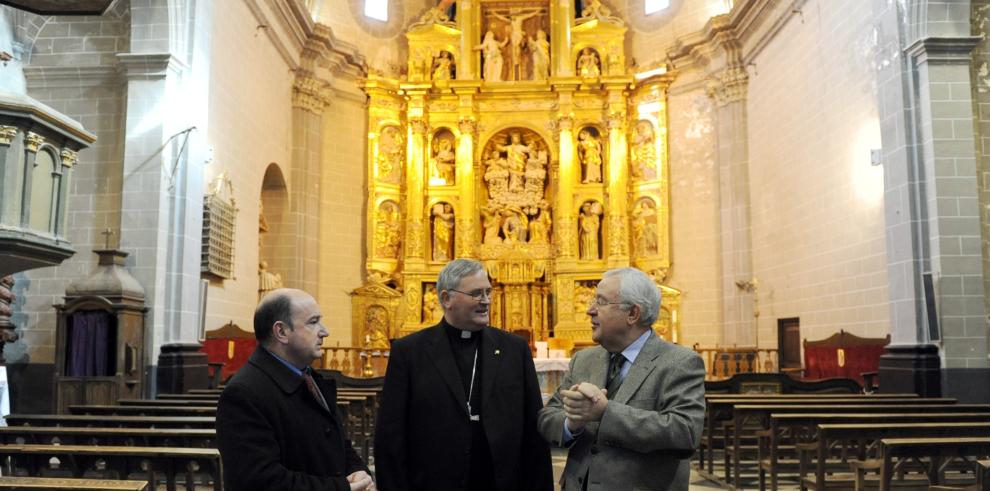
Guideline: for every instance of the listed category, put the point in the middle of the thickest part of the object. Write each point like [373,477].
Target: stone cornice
[943,50]
[71,76]
[148,65]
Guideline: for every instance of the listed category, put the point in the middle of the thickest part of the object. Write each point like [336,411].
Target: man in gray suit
[630,410]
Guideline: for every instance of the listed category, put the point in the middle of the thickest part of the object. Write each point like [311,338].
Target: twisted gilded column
[415,163]
[564,199]
[467,233]
[618,185]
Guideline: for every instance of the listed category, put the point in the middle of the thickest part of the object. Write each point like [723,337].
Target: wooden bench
[192,397]
[215,392]
[111,421]
[112,410]
[65,483]
[936,452]
[749,419]
[166,402]
[861,439]
[121,461]
[142,437]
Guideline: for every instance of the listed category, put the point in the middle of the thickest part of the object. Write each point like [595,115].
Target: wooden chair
[843,355]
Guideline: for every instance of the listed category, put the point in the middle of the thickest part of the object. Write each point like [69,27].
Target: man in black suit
[278,427]
[458,410]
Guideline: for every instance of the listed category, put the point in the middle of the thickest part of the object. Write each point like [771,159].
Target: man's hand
[361,481]
[583,403]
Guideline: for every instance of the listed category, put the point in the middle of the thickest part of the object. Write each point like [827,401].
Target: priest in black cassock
[458,410]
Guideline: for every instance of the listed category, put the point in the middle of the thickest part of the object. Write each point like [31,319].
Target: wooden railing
[722,362]
[355,362]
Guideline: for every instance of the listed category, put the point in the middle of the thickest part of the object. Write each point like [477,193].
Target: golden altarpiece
[520,137]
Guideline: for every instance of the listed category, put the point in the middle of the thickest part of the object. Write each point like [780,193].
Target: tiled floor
[560,457]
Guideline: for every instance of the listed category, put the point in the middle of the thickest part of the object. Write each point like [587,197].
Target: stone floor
[560,457]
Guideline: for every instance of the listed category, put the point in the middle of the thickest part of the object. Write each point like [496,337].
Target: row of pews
[845,441]
[140,444]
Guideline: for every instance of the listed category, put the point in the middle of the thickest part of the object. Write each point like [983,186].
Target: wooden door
[789,343]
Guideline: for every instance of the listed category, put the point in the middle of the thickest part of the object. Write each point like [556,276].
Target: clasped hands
[361,481]
[583,403]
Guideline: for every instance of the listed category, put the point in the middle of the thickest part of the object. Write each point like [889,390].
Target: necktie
[614,370]
[311,385]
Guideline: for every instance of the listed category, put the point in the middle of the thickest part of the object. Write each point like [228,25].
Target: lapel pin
[497,352]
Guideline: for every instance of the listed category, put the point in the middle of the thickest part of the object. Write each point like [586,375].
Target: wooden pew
[935,451]
[862,437]
[166,402]
[112,421]
[215,392]
[143,410]
[66,483]
[141,437]
[719,412]
[759,416]
[123,461]
[193,397]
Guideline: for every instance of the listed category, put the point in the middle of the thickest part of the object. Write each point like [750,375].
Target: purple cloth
[88,344]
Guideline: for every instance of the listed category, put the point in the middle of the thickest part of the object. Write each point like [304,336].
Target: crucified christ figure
[517,36]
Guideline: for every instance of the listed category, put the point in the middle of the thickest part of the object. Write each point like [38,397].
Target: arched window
[654,6]
[376,9]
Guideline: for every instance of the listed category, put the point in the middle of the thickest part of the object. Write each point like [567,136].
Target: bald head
[276,305]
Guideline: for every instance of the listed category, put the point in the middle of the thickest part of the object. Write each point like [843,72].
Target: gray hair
[638,289]
[451,274]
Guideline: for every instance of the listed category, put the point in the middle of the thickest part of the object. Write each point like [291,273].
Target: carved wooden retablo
[524,142]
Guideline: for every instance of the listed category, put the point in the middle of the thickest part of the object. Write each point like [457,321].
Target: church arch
[273,227]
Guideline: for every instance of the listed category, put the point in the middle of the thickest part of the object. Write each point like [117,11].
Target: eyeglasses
[600,303]
[477,295]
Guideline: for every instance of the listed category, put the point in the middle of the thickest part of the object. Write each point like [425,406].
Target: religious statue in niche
[584,294]
[540,51]
[443,232]
[376,328]
[516,38]
[644,228]
[432,309]
[590,155]
[594,9]
[589,230]
[516,162]
[588,64]
[443,66]
[387,236]
[267,281]
[391,147]
[644,151]
[491,53]
[443,160]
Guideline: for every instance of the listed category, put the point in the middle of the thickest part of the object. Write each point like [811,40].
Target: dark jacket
[423,435]
[273,435]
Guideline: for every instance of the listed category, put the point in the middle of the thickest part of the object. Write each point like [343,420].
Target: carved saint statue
[491,51]
[444,161]
[514,226]
[644,228]
[540,49]
[516,38]
[443,232]
[387,231]
[376,328]
[584,293]
[516,153]
[390,155]
[588,64]
[589,223]
[590,153]
[432,309]
[595,10]
[267,281]
[443,66]
[644,152]
[539,227]
[491,222]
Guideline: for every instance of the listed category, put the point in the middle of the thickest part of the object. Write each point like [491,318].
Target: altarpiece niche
[517,135]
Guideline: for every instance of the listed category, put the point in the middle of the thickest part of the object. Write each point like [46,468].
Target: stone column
[310,98]
[564,223]
[618,191]
[728,89]
[467,231]
[415,164]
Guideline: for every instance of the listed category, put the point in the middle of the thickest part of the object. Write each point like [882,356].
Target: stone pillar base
[910,369]
[182,366]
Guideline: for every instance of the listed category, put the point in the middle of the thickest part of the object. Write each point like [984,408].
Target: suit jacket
[273,435]
[423,434]
[650,427]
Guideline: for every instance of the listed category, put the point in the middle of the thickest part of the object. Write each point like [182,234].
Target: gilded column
[415,162]
[467,233]
[469,22]
[564,205]
[618,184]
[561,18]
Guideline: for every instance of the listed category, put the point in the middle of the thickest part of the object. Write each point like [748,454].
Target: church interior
[806,181]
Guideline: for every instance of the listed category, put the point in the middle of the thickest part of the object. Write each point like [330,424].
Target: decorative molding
[148,66]
[728,86]
[310,93]
[33,141]
[7,134]
[419,126]
[39,77]
[943,50]
[69,157]
[468,126]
